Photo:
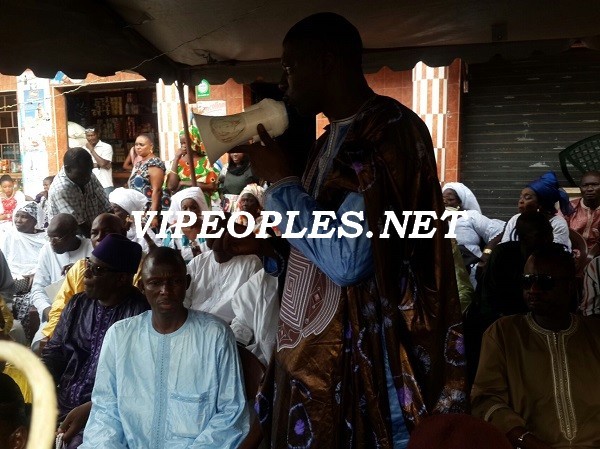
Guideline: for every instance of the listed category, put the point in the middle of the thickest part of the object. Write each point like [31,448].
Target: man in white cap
[124,202]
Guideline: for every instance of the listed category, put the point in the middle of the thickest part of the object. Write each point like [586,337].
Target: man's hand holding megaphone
[267,158]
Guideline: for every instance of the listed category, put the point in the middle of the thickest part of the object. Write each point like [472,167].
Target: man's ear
[140,286]
[18,439]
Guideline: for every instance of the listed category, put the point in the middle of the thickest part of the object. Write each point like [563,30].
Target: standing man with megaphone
[370,338]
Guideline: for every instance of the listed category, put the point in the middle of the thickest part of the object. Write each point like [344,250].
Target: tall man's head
[164,282]
[14,421]
[91,135]
[534,231]
[78,166]
[549,282]
[105,224]
[110,268]
[319,51]
[62,233]
[590,189]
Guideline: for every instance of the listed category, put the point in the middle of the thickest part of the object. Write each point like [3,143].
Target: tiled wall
[436,99]
[397,85]
[429,102]
[8,83]
[434,94]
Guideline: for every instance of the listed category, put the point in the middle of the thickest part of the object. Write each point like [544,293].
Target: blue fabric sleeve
[53,355]
[229,426]
[104,429]
[345,260]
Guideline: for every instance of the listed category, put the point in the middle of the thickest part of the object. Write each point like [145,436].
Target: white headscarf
[22,250]
[194,193]
[128,199]
[467,198]
[257,191]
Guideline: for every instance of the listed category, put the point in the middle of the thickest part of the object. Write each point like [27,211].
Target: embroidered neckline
[539,329]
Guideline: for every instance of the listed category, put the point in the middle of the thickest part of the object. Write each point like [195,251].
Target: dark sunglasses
[97,270]
[544,282]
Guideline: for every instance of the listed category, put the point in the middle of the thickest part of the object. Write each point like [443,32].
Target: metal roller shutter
[517,117]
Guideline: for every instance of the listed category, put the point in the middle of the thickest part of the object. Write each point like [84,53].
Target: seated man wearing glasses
[538,374]
[72,353]
[102,226]
[168,378]
[64,248]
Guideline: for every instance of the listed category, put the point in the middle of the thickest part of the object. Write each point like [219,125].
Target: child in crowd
[42,199]
[9,198]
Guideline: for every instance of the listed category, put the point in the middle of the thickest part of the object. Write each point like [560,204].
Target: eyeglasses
[97,270]
[545,282]
[57,239]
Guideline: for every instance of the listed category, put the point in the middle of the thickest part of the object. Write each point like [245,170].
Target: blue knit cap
[119,252]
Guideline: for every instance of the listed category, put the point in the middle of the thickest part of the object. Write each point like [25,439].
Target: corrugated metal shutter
[517,117]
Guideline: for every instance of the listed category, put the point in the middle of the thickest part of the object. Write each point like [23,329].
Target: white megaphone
[221,134]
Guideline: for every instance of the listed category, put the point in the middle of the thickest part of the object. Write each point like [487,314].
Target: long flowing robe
[544,381]
[182,390]
[324,387]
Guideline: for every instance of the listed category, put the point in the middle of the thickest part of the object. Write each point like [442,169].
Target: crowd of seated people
[117,318]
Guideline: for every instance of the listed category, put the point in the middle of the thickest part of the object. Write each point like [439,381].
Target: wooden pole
[188,140]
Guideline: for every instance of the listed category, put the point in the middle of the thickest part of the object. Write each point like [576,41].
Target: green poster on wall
[203,89]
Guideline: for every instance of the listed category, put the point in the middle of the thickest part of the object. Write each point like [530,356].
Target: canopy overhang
[241,39]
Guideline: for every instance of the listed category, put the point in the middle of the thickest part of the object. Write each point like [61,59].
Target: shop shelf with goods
[10,153]
[119,116]
[10,161]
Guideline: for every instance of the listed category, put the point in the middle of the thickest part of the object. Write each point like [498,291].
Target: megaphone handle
[44,407]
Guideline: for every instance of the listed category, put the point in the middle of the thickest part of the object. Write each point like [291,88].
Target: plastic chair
[254,372]
[583,155]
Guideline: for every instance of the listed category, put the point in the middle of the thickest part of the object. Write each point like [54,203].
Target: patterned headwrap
[257,191]
[32,209]
[549,192]
[195,139]
[466,197]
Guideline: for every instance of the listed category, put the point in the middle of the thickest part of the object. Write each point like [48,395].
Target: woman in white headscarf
[124,202]
[22,244]
[21,247]
[475,232]
[251,200]
[189,244]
